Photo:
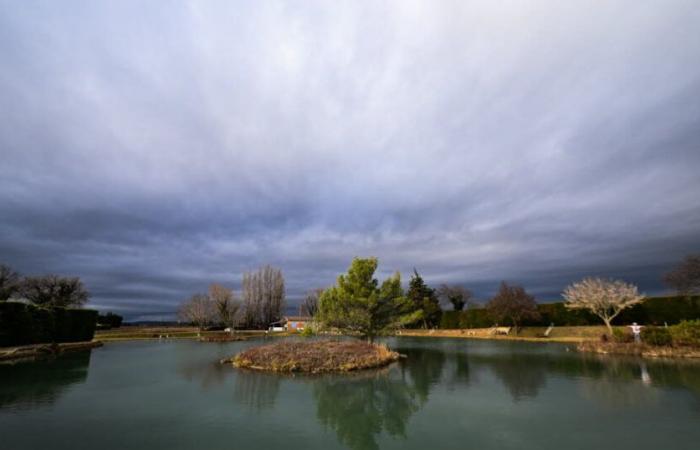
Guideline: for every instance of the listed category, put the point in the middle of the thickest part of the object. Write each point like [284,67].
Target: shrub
[450,320]
[23,324]
[621,336]
[686,333]
[659,336]
[308,330]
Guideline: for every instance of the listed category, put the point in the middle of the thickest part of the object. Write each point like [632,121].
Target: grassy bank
[138,333]
[646,351]
[535,334]
[314,356]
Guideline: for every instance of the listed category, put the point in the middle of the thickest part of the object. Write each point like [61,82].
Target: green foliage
[23,324]
[307,331]
[686,333]
[622,336]
[659,336]
[424,300]
[357,305]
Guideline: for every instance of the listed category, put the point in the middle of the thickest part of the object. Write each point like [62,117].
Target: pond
[448,394]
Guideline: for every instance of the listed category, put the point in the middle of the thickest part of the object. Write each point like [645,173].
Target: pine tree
[424,300]
[358,305]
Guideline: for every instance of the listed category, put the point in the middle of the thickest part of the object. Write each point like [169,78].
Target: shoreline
[563,335]
[39,351]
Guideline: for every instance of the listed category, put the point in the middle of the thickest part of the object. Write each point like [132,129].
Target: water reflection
[27,385]
[256,390]
[360,407]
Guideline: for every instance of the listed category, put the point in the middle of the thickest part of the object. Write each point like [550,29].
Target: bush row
[22,324]
[653,311]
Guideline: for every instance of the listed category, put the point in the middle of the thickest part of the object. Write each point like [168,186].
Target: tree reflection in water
[360,407]
[29,384]
[256,390]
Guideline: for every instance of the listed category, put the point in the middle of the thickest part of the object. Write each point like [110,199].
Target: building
[296,323]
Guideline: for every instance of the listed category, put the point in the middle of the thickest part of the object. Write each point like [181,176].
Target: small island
[318,356]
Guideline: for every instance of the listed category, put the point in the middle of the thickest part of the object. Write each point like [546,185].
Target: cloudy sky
[152,148]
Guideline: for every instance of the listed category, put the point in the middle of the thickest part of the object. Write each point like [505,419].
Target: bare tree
[310,304]
[458,296]
[604,298]
[52,290]
[263,296]
[10,282]
[225,304]
[198,310]
[685,277]
[512,302]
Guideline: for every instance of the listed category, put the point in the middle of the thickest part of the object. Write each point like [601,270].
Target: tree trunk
[607,324]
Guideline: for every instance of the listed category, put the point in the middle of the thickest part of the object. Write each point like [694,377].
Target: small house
[296,323]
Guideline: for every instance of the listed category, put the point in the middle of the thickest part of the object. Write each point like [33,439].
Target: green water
[448,394]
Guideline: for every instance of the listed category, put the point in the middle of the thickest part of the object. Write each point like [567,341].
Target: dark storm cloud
[153,149]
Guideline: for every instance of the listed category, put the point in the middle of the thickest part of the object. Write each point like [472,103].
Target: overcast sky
[152,148]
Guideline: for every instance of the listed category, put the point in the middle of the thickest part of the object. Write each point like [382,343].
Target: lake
[448,394]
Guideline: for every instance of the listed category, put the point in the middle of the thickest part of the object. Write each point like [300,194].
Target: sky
[152,148]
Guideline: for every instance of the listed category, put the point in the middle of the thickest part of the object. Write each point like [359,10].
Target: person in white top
[636,332]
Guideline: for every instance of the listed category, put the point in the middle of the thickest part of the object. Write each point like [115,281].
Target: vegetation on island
[316,356]
[359,306]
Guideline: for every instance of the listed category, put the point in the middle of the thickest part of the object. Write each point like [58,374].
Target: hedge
[22,324]
[653,311]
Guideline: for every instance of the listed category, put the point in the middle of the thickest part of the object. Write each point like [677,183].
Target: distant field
[176,332]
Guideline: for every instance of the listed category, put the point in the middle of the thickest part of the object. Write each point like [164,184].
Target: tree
[513,303]
[356,304]
[10,282]
[110,319]
[424,299]
[198,310]
[310,304]
[54,291]
[604,298]
[225,304]
[685,277]
[263,297]
[458,296]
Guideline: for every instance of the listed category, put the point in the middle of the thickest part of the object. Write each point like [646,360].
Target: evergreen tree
[423,299]
[357,304]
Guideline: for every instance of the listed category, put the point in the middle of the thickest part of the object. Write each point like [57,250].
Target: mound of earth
[315,356]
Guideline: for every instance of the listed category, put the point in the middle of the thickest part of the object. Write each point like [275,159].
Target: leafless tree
[226,305]
[52,290]
[263,296]
[685,277]
[310,304]
[604,298]
[513,303]
[198,310]
[10,282]
[458,296]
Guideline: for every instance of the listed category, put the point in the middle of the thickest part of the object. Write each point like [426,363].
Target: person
[636,332]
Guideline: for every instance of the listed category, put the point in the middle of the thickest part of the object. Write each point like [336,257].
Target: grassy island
[315,356]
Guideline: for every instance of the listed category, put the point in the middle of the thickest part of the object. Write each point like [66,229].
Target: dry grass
[648,351]
[532,334]
[315,356]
